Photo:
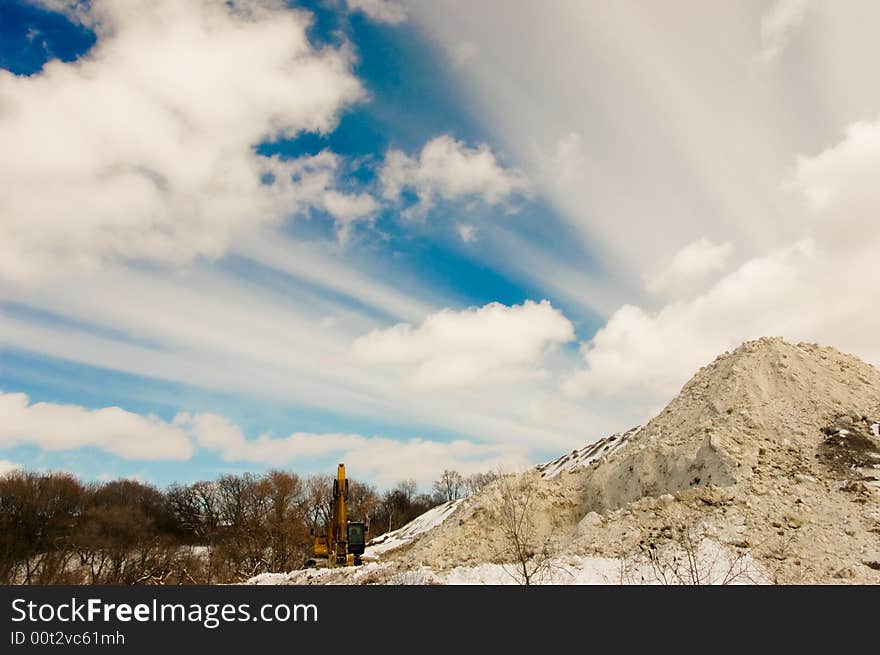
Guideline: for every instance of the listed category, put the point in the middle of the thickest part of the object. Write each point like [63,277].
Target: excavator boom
[343,542]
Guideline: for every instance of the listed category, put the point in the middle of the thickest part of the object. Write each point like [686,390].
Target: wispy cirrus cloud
[777,24]
[667,151]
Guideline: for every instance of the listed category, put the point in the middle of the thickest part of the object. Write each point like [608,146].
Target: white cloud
[467,233]
[563,167]
[57,427]
[53,427]
[449,170]
[210,328]
[143,148]
[638,350]
[315,187]
[462,52]
[777,24]
[480,345]
[338,273]
[644,87]
[76,10]
[817,289]
[8,467]
[840,184]
[378,459]
[381,11]
[691,264]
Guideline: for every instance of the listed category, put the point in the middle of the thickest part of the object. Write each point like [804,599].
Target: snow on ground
[711,563]
[402,536]
[588,454]
[875,430]
[572,570]
[340,575]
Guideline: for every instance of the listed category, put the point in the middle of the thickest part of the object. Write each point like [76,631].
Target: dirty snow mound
[771,451]
[766,396]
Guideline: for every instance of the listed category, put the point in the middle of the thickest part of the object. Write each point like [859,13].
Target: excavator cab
[357,539]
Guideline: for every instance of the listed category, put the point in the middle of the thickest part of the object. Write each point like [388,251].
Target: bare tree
[407,489]
[286,519]
[398,506]
[55,530]
[526,556]
[37,515]
[476,482]
[450,485]
[319,495]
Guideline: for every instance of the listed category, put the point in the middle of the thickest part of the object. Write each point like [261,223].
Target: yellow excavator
[342,542]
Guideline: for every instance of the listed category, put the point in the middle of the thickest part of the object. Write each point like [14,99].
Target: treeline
[55,529]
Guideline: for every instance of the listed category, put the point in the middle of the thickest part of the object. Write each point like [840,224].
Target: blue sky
[242,235]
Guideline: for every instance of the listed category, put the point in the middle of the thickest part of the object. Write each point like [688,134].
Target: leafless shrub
[776,551]
[525,556]
[409,577]
[682,555]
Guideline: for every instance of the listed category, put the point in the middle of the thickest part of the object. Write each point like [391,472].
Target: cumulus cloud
[381,11]
[144,148]
[54,427]
[315,188]
[777,24]
[479,345]
[375,458]
[691,264]
[61,427]
[840,184]
[449,170]
[819,288]
[640,350]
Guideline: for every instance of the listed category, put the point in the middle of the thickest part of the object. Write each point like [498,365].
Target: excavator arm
[343,542]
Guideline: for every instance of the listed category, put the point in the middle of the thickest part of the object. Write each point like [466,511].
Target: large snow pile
[770,450]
